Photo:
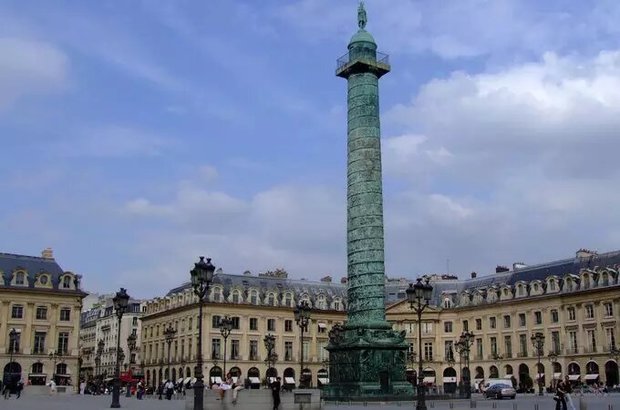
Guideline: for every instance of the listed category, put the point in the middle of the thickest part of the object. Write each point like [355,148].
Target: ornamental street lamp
[463,347]
[419,296]
[131,346]
[225,325]
[553,358]
[202,277]
[100,347]
[169,333]
[121,304]
[13,335]
[270,344]
[538,341]
[302,317]
[54,357]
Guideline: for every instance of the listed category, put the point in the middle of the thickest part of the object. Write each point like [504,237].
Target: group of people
[563,396]
[229,384]
[12,386]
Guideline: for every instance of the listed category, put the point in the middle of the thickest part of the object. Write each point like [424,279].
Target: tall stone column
[367,358]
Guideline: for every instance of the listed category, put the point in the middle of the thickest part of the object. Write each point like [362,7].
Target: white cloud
[29,67]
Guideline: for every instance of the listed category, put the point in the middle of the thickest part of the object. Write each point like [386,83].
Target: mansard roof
[32,266]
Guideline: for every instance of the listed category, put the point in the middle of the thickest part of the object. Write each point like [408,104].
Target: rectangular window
[288,351]
[589,312]
[235,323]
[609,309]
[611,338]
[428,351]
[508,346]
[215,321]
[591,334]
[63,342]
[41,313]
[323,353]
[427,327]
[572,342]
[65,314]
[465,325]
[479,349]
[555,317]
[271,325]
[538,318]
[216,348]
[449,350]
[555,342]
[288,325]
[134,321]
[523,345]
[253,349]
[494,346]
[306,347]
[39,343]
[492,322]
[253,323]
[478,324]
[17,312]
[507,321]
[522,319]
[322,328]
[234,349]
[571,313]
[14,343]
[447,327]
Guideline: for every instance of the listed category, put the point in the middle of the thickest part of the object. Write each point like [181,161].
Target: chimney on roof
[343,280]
[518,265]
[500,269]
[585,253]
[326,279]
[473,275]
[47,253]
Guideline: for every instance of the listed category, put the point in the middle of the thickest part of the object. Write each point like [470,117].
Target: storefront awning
[289,380]
[573,377]
[234,379]
[449,379]
[323,380]
[187,380]
[254,380]
[557,376]
[194,380]
[322,325]
[540,376]
[216,379]
[591,376]
[37,375]
[508,376]
[429,379]
[271,379]
[179,380]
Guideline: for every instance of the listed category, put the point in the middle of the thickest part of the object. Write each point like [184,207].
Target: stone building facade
[41,302]
[574,302]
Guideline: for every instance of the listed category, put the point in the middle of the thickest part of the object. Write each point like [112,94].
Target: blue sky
[138,135]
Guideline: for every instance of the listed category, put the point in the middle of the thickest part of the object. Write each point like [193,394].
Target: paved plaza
[528,402]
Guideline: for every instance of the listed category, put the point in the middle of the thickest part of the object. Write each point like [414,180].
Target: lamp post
[131,346]
[553,358]
[419,296]
[202,276]
[538,341]
[463,346]
[169,333]
[54,357]
[13,335]
[100,347]
[121,302]
[270,343]
[498,360]
[302,317]
[226,325]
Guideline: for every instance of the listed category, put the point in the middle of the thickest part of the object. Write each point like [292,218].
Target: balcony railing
[508,355]
[381,58]
[522,354]
[572,350]
[590,349]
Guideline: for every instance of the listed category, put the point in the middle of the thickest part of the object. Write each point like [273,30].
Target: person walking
[275,392]
[169,389]
[19,388]
[560,397]
[568,390]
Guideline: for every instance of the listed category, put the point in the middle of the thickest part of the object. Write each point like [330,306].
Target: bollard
[432,404]
[514,406]
[582,404]
[472,404]
[494,405]
[451,405]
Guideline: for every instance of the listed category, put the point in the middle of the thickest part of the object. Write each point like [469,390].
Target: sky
[137,135]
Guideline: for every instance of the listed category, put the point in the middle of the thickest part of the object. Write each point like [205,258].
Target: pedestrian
[275,392]
[52,386]
[568,390]
[235,389]
[19,388]
[560,397]
[169,389]
[140,390]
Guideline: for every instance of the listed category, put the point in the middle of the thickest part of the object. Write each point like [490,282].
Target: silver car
[499,391]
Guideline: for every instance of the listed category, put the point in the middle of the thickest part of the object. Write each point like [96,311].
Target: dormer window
[447,303]
[521,290]
[552,285]
[43,280]
[337,305]
[254,297]
[271,300]
[20,278]
[66,282]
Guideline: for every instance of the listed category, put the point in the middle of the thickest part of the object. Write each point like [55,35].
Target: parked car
[499,391]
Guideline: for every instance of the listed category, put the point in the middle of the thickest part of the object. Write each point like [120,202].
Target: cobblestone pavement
[529,402]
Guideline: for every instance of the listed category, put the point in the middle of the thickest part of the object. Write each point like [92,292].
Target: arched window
[521,290]
[271,300]
[37,368]
[254,297]
[235,296]
[337,305]
[321,302]
[66,283]
[552,285]
[288,300]
[447,303]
